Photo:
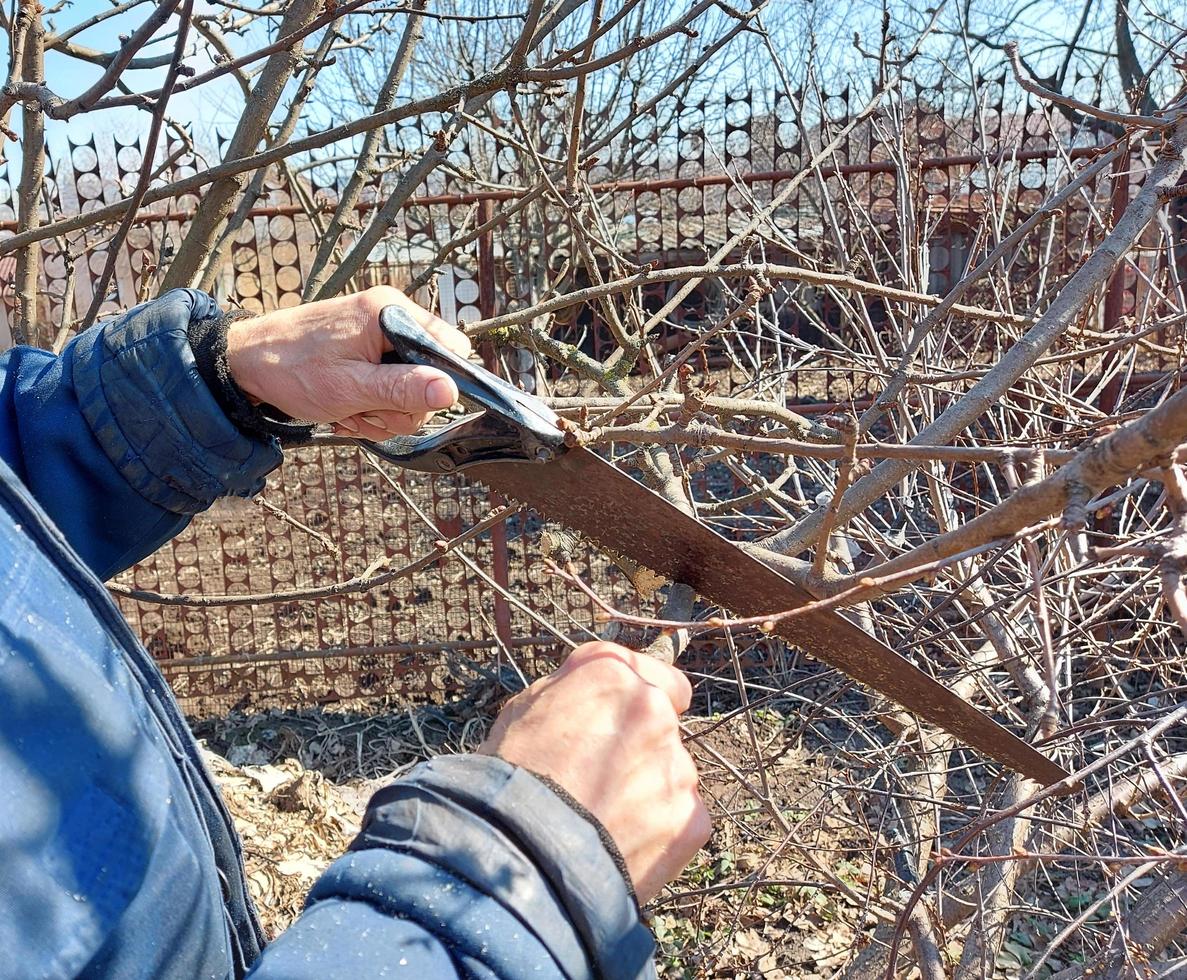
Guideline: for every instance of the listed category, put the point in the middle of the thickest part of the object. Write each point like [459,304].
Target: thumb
[402,388]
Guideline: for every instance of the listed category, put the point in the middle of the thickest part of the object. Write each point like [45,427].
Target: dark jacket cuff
[208,341]
[505,832]
[141,393]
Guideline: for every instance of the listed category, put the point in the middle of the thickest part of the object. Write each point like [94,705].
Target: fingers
[699,828]
[692,827]
[378,297]
[397,399]
[604,727]
[668,679]
[383,389]
[379,425]
[321,362]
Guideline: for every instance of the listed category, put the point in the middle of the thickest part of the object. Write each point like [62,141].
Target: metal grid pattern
[412,635]
[681,192]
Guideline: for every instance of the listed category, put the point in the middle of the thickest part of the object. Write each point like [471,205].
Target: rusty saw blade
[586,493]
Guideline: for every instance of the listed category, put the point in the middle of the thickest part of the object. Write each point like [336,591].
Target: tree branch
[1082,286]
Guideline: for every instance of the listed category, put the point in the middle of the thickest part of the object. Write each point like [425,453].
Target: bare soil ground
[750,906]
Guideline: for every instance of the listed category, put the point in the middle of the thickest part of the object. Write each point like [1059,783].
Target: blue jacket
[117,856]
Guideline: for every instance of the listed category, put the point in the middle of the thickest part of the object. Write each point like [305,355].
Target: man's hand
[605,728]
[321,363]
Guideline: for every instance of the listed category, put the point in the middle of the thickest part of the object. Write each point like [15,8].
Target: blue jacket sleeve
[468,868]
[119,439]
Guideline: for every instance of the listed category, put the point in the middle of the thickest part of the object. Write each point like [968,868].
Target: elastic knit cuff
[138,387]
[208,341]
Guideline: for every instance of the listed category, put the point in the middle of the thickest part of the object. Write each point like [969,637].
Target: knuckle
[377,297]
[597,649]
[659,707]
[578,656]
[700,823]
[598,656]
[606,672]
[656,721]
[393,387]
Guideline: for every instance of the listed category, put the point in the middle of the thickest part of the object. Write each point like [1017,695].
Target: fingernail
[375,420]
[347,424]
[438,393]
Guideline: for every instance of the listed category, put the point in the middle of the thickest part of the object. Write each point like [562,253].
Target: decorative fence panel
[675,187]
[419,634]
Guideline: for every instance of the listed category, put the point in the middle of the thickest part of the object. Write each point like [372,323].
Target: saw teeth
[645,579]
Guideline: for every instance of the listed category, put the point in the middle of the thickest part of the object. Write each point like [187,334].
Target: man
[118,858]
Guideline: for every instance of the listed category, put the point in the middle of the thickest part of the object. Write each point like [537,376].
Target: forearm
[119,438]
[127,435]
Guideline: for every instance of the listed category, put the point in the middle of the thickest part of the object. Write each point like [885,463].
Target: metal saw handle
[513,425]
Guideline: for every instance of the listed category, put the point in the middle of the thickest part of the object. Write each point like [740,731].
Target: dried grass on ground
[297,784]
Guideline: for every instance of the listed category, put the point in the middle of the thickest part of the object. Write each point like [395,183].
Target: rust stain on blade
[583,491]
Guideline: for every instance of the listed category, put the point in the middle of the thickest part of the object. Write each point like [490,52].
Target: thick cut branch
[218,254]
[28,264]
[364,166]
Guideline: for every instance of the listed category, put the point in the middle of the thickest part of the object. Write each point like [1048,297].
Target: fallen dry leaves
[297,784]
[293,822]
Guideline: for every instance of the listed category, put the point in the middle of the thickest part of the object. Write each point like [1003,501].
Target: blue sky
[216,106]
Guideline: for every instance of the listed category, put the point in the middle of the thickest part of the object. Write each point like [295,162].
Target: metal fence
[420,634]
[690,175]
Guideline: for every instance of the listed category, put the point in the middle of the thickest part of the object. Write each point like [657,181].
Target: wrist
[604,835]
[236,389]
[247,357]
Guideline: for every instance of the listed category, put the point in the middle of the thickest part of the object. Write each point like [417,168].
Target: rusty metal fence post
[501,572]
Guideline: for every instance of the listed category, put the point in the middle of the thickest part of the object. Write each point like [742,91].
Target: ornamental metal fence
[687,177]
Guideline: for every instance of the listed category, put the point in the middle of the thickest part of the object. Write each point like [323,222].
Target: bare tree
[995,485]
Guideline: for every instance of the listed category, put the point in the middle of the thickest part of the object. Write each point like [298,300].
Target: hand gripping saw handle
[512,427]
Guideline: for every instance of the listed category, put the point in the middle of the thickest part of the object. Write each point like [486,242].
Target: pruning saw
[516,447]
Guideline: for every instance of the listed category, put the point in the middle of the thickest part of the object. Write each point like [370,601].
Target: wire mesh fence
[414,636]
[685,178]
